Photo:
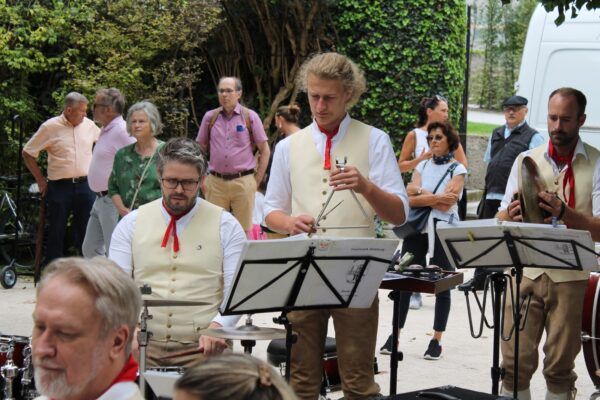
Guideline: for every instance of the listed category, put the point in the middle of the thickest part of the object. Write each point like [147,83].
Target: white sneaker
[416,301]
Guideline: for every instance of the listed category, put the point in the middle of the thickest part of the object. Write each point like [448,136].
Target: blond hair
[234,377]
[334,66]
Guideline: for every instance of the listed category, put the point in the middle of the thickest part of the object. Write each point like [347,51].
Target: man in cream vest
[571,172]
[303,173]
[185,248]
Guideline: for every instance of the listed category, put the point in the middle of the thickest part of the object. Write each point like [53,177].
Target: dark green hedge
[409,49]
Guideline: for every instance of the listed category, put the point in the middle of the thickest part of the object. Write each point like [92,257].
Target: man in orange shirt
[68,139]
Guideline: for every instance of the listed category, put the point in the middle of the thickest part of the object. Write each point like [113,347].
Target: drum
[20,372]
[590,327]
[17,344]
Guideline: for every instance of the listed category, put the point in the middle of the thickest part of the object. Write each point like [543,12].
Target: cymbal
[171,303]
[530,184]
[245,332]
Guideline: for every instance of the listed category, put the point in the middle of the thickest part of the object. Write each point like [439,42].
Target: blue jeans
[63,199]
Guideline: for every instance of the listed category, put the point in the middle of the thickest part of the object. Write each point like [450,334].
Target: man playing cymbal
[185,248]
[570,170]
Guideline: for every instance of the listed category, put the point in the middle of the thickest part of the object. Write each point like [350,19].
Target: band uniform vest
[310,181]
[195,273]
[583,170]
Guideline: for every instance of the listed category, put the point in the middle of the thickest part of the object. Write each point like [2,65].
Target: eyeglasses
[186,184]
[227,91]
[437,138]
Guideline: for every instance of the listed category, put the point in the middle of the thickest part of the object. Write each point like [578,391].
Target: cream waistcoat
[195,273]
[310,182]
[583,170]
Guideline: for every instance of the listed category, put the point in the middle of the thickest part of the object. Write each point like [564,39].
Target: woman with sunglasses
[415,147]
[446,174]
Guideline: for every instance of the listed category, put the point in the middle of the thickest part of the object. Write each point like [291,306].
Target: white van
[557,56]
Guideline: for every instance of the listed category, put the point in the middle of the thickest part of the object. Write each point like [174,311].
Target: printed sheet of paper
[269,268]
[471,244]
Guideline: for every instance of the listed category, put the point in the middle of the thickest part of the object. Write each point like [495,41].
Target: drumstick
[181,354]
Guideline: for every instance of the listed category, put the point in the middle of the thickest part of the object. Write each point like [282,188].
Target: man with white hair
[68,139]
[83,325]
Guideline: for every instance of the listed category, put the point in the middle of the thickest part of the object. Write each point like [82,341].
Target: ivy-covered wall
[409,49]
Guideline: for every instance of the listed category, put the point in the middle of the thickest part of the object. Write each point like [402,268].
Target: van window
[578,74]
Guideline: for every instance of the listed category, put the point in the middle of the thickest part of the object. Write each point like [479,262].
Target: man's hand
[553,205]
[514,211]
[348,178]
[301,224]
[212,345]
[42,186]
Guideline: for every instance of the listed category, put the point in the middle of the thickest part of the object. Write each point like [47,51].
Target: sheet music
[471,239]
[271,267]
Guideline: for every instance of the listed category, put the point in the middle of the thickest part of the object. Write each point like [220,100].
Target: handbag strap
[137,190]
[449,170]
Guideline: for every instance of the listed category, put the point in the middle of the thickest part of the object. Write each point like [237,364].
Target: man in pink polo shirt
[108,109]
[228,137]
[68,139]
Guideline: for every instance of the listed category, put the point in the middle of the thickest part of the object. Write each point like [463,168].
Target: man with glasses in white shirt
[185,248]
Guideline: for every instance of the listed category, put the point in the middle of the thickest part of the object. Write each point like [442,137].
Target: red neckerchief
[127,374]
[172,227]
[330,135]
[569,176]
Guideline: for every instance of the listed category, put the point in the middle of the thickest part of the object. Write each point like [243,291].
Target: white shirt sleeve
[279,190]
[596,190]
[512,185]
[121,243]
[233,239]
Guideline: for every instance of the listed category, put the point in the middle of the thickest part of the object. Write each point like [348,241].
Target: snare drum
[590,327]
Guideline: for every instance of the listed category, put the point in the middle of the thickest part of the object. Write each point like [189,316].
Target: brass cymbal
[171,303]
[530,184]
[245,332]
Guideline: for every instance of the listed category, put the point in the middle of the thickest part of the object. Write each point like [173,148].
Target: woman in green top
[134,180]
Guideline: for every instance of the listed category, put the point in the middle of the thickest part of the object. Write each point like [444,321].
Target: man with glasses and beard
[185,248]
[570,170]
[84,319]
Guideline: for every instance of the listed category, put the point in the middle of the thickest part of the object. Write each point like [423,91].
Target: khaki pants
[555,308]
[356,333]
[156,350]
[236,195]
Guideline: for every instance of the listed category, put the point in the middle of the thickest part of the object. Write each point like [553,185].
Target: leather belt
[229,177]
[79,179]
[102,193]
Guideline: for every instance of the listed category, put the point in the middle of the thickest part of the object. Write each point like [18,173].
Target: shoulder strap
[211,123]
[449,170]
[246,115]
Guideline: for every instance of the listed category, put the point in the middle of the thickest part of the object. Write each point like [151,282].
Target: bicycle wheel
[23,251]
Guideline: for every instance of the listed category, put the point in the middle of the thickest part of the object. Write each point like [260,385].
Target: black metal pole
[394,356]
[499,286]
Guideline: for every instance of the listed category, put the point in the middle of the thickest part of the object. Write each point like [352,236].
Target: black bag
[415,223]
[417,217]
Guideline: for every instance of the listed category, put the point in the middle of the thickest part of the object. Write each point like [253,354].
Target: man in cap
[505,144]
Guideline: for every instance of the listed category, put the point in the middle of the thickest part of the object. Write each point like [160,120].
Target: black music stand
[495,244]
[307,274]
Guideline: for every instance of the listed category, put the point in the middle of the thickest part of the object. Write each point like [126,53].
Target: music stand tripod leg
[290,339]
[395,296]
[499,286]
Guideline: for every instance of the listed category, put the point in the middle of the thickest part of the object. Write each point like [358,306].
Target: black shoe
[386,349]
[474,284]
[434,351]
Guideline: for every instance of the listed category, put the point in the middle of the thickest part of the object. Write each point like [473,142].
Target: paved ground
[476,114]
[466,361]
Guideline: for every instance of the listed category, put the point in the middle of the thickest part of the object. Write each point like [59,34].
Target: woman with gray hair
[232,377]
[133,180]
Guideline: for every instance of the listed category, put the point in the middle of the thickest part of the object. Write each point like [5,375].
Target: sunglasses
[434,101]
[437,138]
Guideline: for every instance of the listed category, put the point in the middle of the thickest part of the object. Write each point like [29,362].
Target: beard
[562,138]
[55,384]
[180,203]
